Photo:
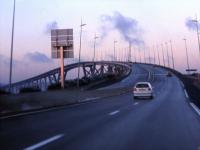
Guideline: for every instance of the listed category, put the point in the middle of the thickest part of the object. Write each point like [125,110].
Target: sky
[143,23]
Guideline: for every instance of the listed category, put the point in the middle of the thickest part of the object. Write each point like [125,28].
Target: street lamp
[139,50]
[158,54]
[149,56]
[167,54]
[172,54]
[187,56]
[197,27]
[144,56]
[11,49]
[81,26]
[95,37]
[163,55]
[134,53]
[154,55]
[114,48]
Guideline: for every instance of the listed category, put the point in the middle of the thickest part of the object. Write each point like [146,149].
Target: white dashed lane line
[42,143]
[114,112]
[136,103]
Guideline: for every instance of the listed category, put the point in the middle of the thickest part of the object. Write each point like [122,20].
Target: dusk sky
[144,23]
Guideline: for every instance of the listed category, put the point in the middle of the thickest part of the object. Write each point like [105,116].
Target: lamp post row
[95,37]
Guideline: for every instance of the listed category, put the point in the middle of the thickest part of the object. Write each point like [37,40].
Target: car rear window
[142,86]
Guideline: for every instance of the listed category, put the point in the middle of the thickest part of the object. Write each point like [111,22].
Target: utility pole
[188,66]
[11,49]
[172,54]
[79,58]
[163,55]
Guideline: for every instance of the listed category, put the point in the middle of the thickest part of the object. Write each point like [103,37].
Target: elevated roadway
[116,123]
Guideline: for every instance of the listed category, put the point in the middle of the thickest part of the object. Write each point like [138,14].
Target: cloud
[37,57]
[50,26]
[5,61]
[127,27]
[191,25]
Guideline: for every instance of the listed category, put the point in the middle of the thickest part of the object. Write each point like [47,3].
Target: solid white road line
[195,108]
[40,144]
[114,112]
[186,94]
[182,84]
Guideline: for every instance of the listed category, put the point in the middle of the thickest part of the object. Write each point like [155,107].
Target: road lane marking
[42,143]
[114,112]
[136,103]
[89,99]
[195,108]
[186,94]
[182,84]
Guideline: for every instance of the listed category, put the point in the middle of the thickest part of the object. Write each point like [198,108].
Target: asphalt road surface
[116,123]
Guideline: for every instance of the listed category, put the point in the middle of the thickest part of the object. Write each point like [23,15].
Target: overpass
[168,122]
[90,70]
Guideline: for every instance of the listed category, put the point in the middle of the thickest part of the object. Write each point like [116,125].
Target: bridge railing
[90,70]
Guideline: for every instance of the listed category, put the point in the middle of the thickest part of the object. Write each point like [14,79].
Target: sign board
[62,38]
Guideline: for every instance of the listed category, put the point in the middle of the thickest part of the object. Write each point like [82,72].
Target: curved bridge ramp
[88,70]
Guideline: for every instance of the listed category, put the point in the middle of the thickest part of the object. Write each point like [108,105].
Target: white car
[143,89]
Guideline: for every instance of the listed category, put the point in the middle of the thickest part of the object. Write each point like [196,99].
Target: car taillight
[134,89]
[149,89]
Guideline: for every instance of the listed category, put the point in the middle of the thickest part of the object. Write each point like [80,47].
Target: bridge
[90,70]
[170,121]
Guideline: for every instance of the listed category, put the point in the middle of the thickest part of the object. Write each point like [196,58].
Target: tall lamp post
[172,54]
[154,55]
[139,50]
[11,49]
[167,54]
[197,27]
[134,53]
[114,49]
[95,37]
[158,54]
[163,55]
[188,66]
[144,56]
[79,57]
[149,56]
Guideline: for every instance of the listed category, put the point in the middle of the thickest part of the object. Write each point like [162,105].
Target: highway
[167,122]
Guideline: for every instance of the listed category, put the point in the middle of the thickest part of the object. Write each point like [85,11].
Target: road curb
[78,102]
